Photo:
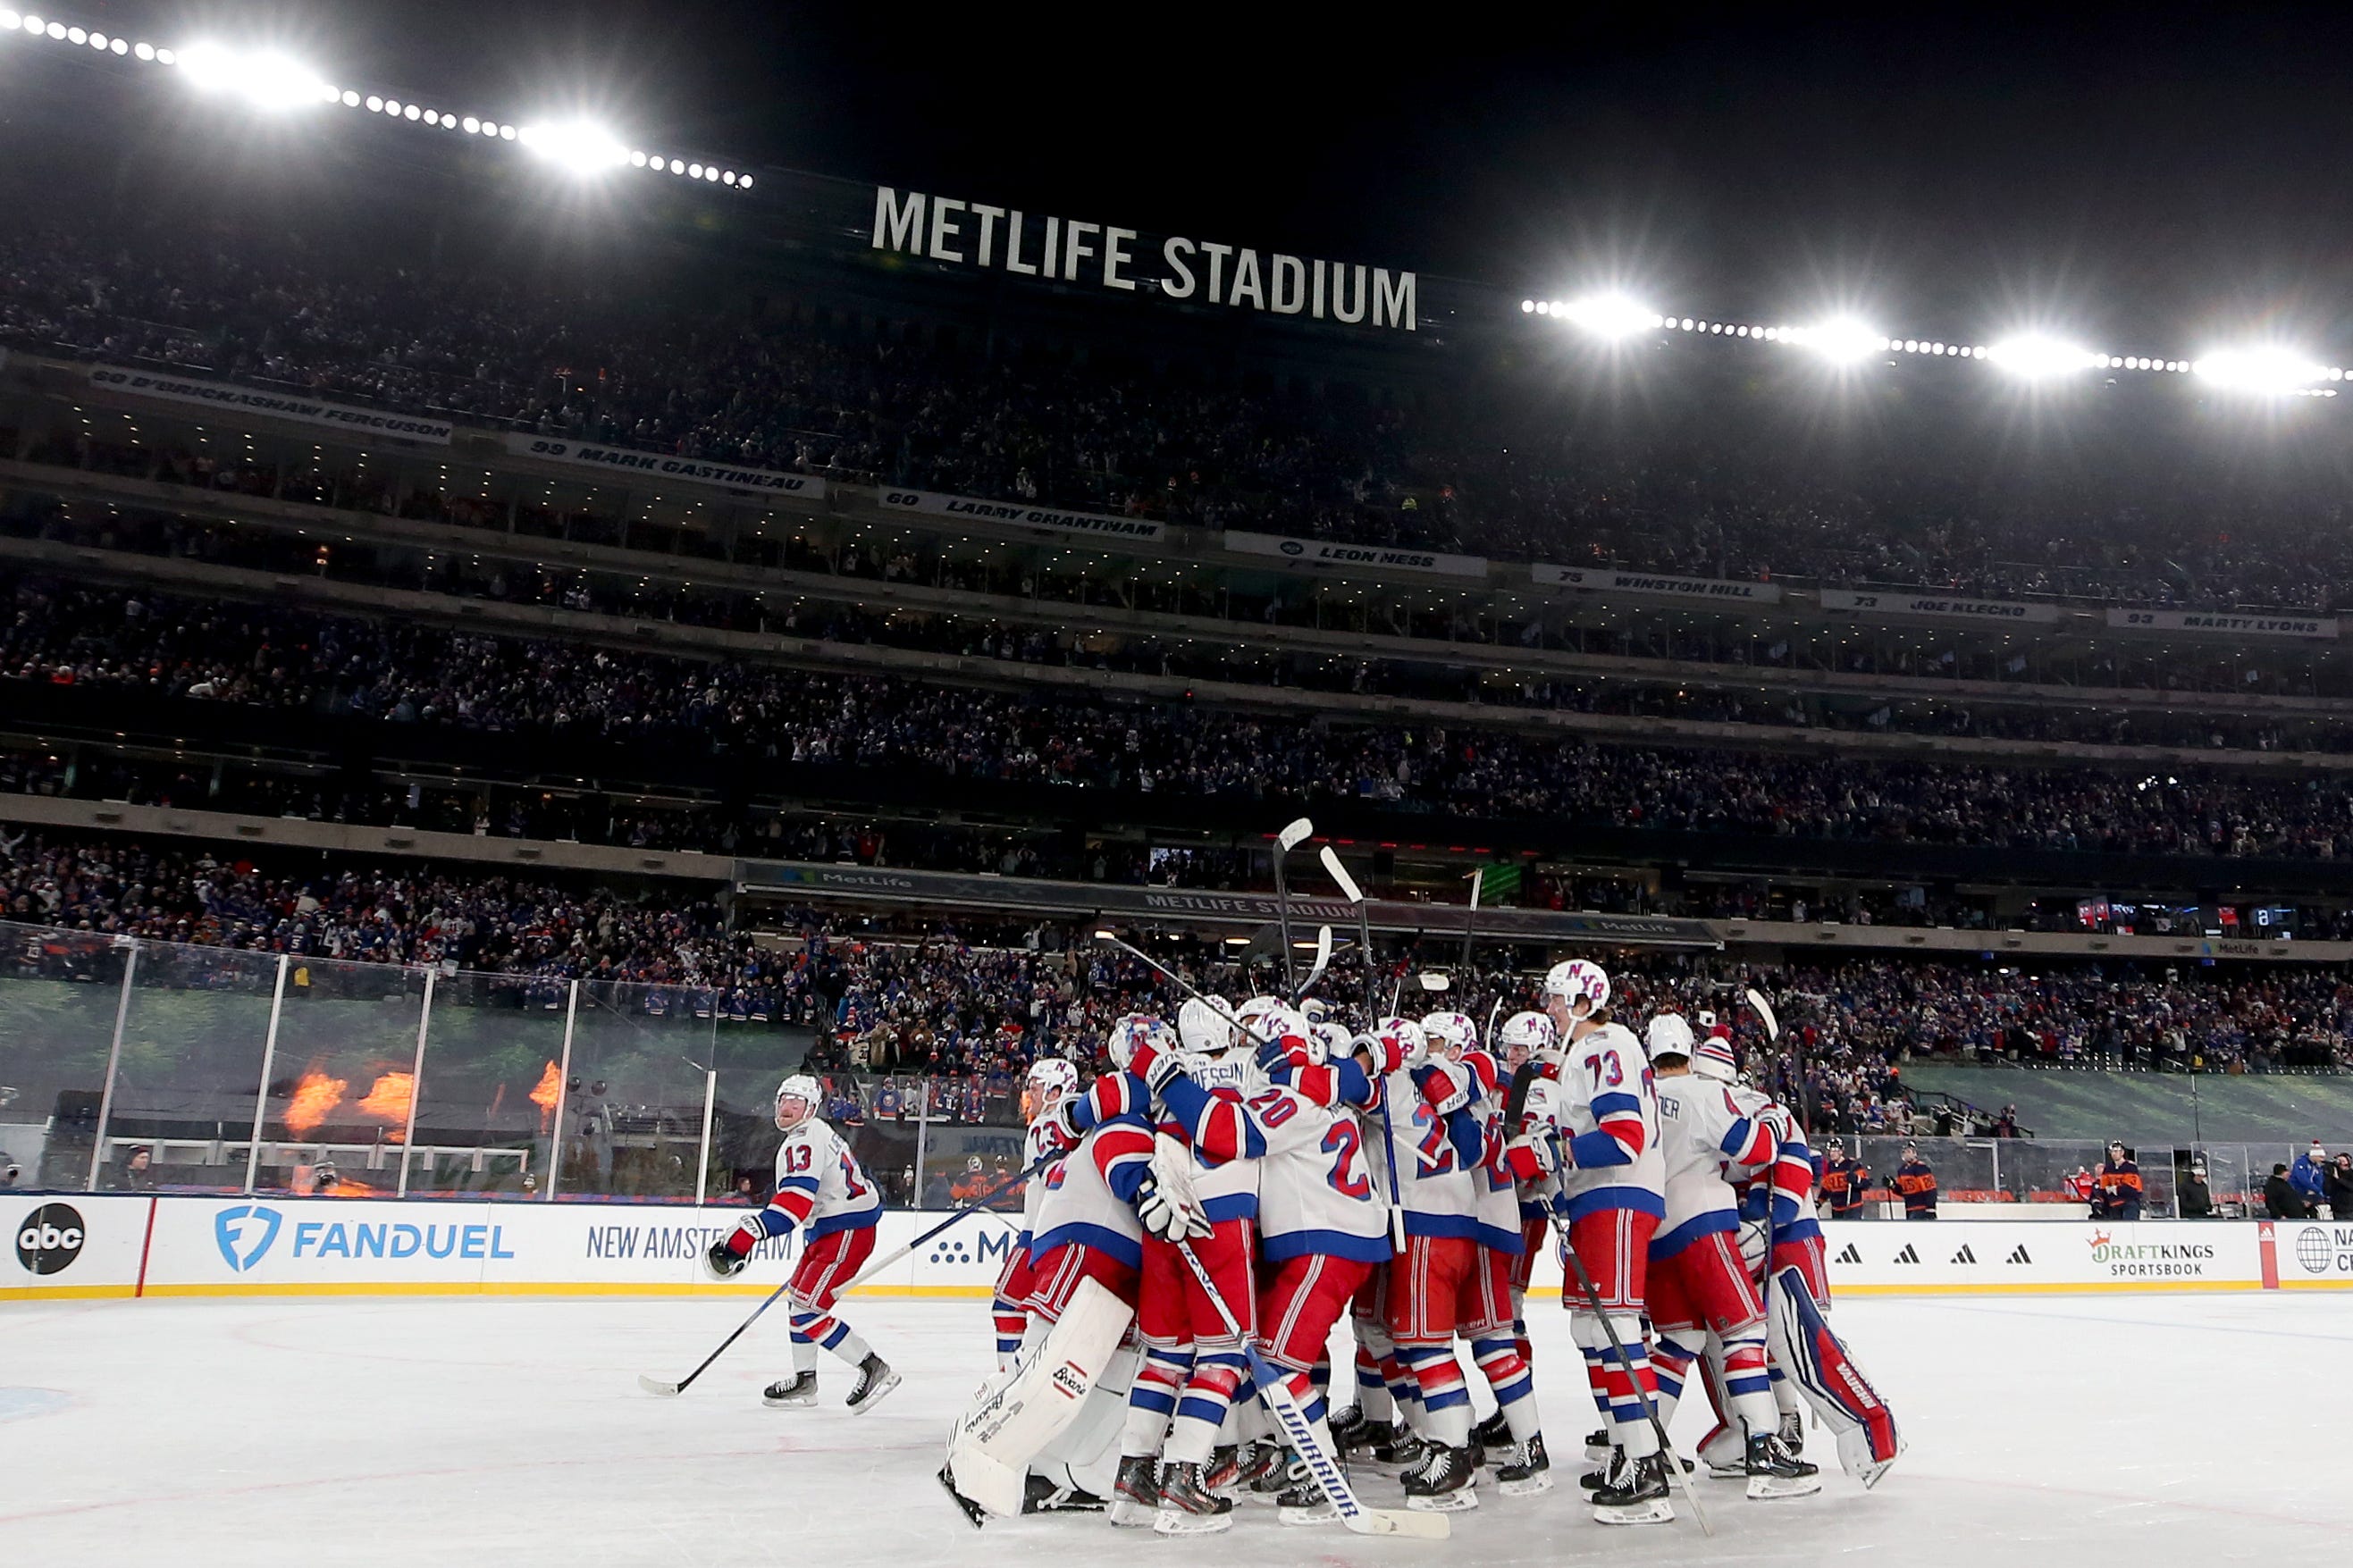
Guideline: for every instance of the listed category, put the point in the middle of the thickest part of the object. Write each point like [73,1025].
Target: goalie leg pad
[1843,1399]
[992,1446]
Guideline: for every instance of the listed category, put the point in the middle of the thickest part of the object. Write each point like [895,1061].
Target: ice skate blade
[1177,1521]
[1659,1512]
[1318,1513]
[875,1395]
[1728,1472]
[789,1402]
[1131,1515]
[1527,1486]
[1460,1501]
[1771,1489]
[970,1510]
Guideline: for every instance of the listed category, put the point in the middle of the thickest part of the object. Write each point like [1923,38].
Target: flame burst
[544,1096]
[315,1094]
[390,1099]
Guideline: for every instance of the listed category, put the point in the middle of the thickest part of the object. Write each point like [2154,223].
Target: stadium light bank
[268,82]
[2271,371]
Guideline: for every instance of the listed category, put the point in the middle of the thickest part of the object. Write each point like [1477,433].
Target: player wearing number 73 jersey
[820,1190]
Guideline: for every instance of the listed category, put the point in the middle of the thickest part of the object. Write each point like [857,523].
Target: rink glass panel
[633,1107]
[343,1078]
[58,992]
[191,1070]
[486,1110]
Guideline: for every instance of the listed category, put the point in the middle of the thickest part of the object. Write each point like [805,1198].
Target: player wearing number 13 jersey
[821,1191]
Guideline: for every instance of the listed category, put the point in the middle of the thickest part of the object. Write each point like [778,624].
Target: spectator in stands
[2193,1198]
[1916,1181]
[2118,1196]
[2340,1187]
[2310,1176]
[2281,1200]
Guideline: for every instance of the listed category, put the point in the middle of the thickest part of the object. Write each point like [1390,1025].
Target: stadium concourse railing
[136,1065]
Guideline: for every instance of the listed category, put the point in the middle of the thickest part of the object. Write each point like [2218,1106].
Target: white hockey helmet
[1528,1037]
[1135,1029]
[1669,1035]
[1050,1081]
[1713,1058]
[1314,1008]
[1413,1046]
[1580,984]
[1453,1033]
[1286,1028]
[803,1092]
[1325,1041]
[1205,1026]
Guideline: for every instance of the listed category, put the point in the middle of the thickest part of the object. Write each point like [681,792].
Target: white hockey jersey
[1438,1182]
[819,1185]
[1702,1127]
[1045,1137]
[1607,1114]
[1495,1200]
[1315,1196]
[1203,1113]
[1075,1203]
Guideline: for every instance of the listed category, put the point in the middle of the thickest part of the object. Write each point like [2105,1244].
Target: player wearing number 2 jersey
[821,1191]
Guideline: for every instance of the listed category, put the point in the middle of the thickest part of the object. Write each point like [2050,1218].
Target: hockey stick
[655,1386]
[1355,895]
[1274,1393]
[1323,963]
[1675,1471]
[1294,834]
[1111,938]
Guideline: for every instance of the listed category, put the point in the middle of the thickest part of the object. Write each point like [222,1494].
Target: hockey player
[1487,1313]
[1596,1124]
[1051,1081]
[1193,1364]
[1846,1178]
[2119,1191]
[1917,1184]
[821,1189]
[1703,1301]
[1435,1156]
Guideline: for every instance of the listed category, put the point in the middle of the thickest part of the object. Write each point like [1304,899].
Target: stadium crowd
[1505,475]
[404,673]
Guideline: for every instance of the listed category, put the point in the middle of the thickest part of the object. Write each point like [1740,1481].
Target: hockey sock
[822,1330]
[1151,1397]
[1012,1322]
[1445,1399]
[1373,1401]
[1520,1341]
[1672,1360]
[1514,1387]
[1748,1385]
[1202,1408]
[1785,1392]
[1628,1382]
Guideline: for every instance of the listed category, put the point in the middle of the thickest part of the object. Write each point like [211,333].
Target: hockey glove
[730,1253]
[1530,1157]
[1381,1054]
[1164,1216]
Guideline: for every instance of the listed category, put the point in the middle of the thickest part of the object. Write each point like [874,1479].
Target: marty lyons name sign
[1073,251]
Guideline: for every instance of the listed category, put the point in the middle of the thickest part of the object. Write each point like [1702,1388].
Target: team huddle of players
[1234,1187]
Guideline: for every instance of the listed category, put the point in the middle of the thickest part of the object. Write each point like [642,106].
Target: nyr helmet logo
[244,1233]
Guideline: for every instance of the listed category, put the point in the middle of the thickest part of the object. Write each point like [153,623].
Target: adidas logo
[2017,1254]
[1849,1254]
[1909,1255]
[1965,1255]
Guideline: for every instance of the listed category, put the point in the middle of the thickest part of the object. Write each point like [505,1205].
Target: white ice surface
[2099,1430]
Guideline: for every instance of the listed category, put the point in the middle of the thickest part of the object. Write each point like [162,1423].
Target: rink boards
[72,1244]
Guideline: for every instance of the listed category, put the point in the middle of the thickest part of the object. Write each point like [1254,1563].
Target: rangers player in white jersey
[821,1190]
[1596,1124]
[1703,1302]
[1049,1083]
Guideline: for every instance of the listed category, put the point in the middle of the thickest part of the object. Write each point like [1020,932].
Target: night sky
[2134,175]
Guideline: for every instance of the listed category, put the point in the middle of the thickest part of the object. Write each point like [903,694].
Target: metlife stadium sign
[1055,249]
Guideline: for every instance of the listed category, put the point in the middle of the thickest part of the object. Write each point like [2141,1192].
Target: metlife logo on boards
[49,1238]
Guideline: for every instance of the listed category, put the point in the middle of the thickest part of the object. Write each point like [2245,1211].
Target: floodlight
[2035,357]
[56,30]
[144,51]
[351,100]
[744,182]
[264,81]
[118,45]
[2259,369]
[575,144]
[1842,340]
[33,25]
[75,35]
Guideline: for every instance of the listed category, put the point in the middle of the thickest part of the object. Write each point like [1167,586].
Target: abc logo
[50,1238]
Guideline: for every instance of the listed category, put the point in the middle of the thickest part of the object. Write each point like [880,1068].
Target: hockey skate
[1610,1472]
[1793,1431]
[1267,1475]
[1041,1495]
[1345,1422]
[1775,1472]
[1442,1483]
[1135,1490]
[974,1515]
[1524,1469]
[1637,1497]
[875,1382]
[1597,1446]
[1302,1501]
[1492,1438]
[799,1389]
[1224,1470]
[1724,1454]
[1186,1506]
[1400,1449]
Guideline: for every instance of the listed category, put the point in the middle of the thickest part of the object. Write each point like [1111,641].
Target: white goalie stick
[1291,836]
[1274,1393]
[1323,963]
